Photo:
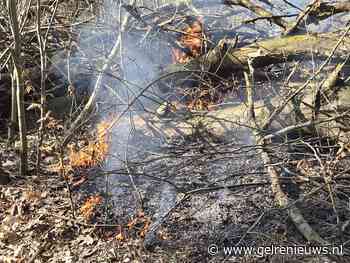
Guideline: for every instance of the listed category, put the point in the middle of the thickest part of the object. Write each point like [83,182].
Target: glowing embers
[95,152]
[191,41]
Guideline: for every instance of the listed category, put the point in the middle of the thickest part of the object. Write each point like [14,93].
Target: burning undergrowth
[94,153]
[90,153]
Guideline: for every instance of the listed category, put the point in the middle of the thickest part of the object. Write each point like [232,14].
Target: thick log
[224,59]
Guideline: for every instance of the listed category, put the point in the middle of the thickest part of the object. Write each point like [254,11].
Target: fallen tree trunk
[225,59]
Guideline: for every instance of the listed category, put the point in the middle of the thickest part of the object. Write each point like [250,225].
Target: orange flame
[192,39]
[87,210]
[94,153]
[89,156]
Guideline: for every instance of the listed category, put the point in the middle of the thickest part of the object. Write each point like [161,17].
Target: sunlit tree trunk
[43,63]
[17,76]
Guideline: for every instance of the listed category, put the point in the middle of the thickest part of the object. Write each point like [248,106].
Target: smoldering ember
[175,131]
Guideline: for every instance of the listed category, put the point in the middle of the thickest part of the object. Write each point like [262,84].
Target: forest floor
[46,218]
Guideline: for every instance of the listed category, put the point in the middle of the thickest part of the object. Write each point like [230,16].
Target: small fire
[141,223]
[95,152]
[89,156]
[89,207]
[192,41]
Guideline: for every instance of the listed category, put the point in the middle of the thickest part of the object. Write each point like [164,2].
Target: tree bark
[17,75]
[43,63]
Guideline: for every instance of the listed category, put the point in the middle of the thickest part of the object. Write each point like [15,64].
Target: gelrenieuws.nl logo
[275,250]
